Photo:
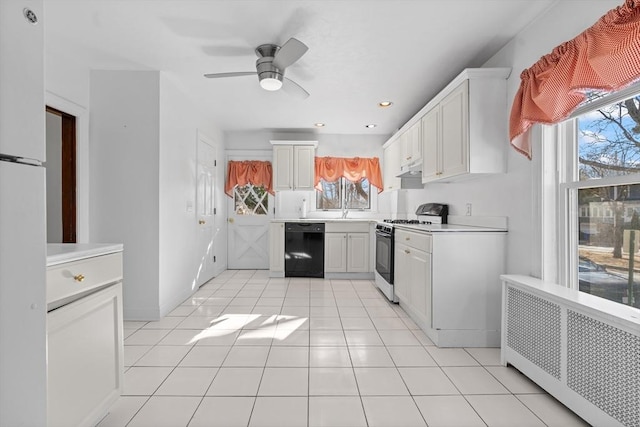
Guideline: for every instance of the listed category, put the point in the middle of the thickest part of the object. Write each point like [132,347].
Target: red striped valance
[246,172]
[352,168]
[604,57]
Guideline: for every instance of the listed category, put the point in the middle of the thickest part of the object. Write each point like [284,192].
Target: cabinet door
[276,247]
[22,105]
[430,151]
[454,110]
[335,252]
[420,283]
[358,252]
[391,166]
[402,275]
[303,167]
[282,167]
[414,142]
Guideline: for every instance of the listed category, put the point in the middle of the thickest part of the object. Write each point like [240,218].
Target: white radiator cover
[583,350]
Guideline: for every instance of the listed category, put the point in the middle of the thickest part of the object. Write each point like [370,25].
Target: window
[602,179]
[344,194]
[250,200]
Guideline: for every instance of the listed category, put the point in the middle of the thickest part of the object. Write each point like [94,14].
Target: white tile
[208,310]
[323,311]
[295,302]
[381,311]
[146,336]
[270,301]
[374,302]
[121,412]
[249,356]
[427,381]
[397,337]
[392,411]
[288,356]
[410,356]
[182,310]
[332,381]
[133,324]
[324,300]
[236,382]
[214,336]
[348,311]
[447,411]
[261,321]
[474,380]
[423,338]
[330,411]
[325,323]
[359,338]
[550,411]
[329,357]
[187,382]
[279,412]
[389,323]
[513,380]
[165,323]
[181,337]
[144,380]
[327,338]
[503,411]
[348,299]
[223,412]
[163,355]
[166,411]
[205,356]
[410,323]
[265,310]
[485,356]
[134,352]
[255,337]
[357,323]
[295,323]
[380,382]
[196,322]
[288,337]
[451,357]
[295,311]
[284,382]
[370,356]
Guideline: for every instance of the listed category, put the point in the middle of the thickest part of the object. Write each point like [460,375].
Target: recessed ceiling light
[319,125]
[370,126]
[384,104]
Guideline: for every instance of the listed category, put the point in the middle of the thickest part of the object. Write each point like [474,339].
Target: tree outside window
[344,194]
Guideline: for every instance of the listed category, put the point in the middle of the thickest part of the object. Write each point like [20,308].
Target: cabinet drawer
[414,240]
[346,227]
[64,281]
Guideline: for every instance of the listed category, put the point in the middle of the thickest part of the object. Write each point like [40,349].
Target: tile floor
[247,350]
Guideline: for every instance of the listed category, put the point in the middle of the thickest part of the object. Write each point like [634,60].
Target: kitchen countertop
[325,220]
[436,228]
[58,253]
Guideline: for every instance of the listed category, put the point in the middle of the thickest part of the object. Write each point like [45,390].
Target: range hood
[414,170]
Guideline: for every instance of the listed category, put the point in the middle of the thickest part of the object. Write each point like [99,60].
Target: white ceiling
[360,52]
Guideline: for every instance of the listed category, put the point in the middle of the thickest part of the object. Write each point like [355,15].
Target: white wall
[510,194]
[124,170]
[288,203]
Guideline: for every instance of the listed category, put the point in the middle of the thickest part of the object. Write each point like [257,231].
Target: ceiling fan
[271,64]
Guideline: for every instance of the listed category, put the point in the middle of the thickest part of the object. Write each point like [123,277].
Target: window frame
[343,183]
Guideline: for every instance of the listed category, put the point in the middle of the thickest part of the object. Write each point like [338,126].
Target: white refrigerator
[23,307]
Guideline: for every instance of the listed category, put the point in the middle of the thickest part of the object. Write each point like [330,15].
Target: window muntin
[602,183]
[250,200]
[344,194]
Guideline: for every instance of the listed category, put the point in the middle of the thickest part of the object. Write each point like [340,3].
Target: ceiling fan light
[271,84]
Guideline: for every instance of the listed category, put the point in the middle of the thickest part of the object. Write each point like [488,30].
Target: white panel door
[335,252]
[454,110]
[249,214]
[205,205]
[358,253]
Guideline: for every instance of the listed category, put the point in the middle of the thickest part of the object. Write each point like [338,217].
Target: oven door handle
[384,235]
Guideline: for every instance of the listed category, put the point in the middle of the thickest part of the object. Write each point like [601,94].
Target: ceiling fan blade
[237,74]
[289,53]
[293,88]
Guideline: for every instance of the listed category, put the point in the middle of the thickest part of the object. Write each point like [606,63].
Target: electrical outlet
[468,209]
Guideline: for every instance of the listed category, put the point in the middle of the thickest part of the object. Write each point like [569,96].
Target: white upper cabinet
[22,104]
[465,132]
[293,165]
[411,143]
[391,166]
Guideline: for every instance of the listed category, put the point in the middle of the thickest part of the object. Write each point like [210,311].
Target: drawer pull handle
[407,238]
[407,251]
[78,277]
[202,221]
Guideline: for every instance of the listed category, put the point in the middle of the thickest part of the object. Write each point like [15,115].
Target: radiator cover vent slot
[603,367]
[534,330]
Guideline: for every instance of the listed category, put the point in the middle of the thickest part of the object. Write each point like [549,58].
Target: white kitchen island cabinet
[84,333]
[449,284]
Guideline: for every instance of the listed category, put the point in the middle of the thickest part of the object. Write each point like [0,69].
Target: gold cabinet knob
[230,220]
[202,221]
[407,251]
[78,277]
[407,238]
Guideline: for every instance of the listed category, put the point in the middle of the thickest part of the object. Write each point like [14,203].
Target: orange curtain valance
[604,57]
[352,168]
[246,172]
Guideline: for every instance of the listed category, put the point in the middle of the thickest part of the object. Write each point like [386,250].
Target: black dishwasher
[304,249]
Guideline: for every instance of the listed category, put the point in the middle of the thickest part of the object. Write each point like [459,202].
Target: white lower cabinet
[85,362]
[346,247]
[449,284]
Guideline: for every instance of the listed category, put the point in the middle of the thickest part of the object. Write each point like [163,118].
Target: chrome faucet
[344,213]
